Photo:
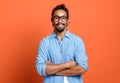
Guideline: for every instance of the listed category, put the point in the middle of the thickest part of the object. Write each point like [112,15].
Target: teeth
[60,25]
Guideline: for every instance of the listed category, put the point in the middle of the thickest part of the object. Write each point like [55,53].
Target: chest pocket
[54,55]
[70,53]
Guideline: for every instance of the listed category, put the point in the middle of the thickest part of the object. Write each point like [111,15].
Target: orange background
[23,23]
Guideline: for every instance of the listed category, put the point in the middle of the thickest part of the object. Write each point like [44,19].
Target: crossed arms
[64,69]
[70,68]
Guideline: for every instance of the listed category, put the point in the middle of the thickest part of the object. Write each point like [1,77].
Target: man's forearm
[73,71]
[54,68]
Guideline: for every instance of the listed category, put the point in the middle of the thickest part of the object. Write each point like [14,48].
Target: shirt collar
[67,34]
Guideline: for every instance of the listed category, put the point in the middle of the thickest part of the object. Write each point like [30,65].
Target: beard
[60,27]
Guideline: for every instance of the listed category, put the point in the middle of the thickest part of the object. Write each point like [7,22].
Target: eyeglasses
[57,18]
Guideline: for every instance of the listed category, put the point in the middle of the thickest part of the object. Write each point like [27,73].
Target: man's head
[60,16]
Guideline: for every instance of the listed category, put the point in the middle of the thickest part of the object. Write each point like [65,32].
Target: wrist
[67,65]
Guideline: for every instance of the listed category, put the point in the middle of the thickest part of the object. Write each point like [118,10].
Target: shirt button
[60,51]
[59,43]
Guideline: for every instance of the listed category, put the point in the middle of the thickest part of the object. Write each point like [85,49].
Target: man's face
[60,20]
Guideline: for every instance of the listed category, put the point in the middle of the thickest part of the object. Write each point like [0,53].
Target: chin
[60,30]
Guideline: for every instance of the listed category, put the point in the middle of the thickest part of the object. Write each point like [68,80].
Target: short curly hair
[61,7]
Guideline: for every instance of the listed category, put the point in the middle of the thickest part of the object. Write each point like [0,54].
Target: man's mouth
[60,25]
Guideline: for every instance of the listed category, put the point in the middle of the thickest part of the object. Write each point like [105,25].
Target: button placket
[61,52]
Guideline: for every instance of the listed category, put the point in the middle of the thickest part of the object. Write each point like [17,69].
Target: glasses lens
[62,18]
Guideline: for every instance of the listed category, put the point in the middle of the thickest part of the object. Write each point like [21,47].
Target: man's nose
[59,20]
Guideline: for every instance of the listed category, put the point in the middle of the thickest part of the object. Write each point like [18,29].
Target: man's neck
[61,34]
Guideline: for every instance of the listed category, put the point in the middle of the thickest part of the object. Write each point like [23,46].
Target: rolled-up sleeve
[41,59]
[80,54]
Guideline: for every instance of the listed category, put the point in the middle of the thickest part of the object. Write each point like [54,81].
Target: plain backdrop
[23,23]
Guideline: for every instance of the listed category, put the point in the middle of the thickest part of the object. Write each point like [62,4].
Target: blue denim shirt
[56,51]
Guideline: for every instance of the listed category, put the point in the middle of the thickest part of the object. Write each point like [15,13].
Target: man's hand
[48,62]
[70,64]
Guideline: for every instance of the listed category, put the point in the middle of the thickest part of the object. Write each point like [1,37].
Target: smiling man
[61,56]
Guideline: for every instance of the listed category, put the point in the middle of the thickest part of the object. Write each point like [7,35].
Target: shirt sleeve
[41,59]
[80,54]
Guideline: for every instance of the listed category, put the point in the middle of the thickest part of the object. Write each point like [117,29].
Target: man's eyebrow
[59,16]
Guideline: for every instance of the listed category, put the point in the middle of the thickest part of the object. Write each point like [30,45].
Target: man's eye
[63,17]
[56,17]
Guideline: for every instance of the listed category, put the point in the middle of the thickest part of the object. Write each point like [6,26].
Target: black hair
[61,7]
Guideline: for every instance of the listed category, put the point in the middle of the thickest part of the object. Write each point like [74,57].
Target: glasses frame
[57,18]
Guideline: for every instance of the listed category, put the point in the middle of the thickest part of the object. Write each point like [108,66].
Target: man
[61,56]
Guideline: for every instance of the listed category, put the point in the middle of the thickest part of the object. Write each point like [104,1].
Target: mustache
[60,23]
